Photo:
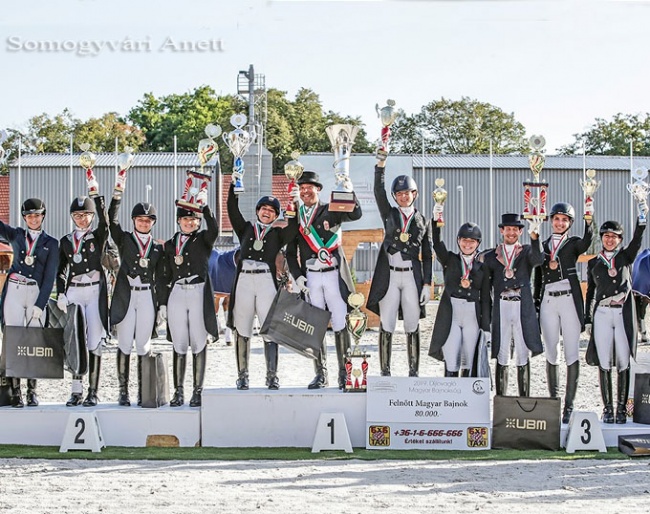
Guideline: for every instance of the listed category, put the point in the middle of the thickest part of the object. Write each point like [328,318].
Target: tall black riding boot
[553,379]
[242,351]
[198,368]
[30,397]
[413,352]
[140,360]
[179,366]
[271,358]
[76,397]
[16,395]
[123,365]
[623,390]
[94,366]
[523,379]
[605,378]
[385,351]
[342,341]
[572,374]
[501,379]
[450,373]
[320,367]
[464,372]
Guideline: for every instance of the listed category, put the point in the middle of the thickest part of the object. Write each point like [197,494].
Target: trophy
[239,141]
[342,137]
[439,197]
[195,191]
[356,363]
[124,162]
[87,160]
[639,189]
[589,186]
[293,171]
[387,115]
[536,191]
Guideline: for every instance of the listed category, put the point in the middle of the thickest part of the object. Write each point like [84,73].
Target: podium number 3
[586,437]
[82,424]
[331,425]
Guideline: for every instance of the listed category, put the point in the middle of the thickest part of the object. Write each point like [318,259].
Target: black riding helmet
[144,209]
[611,226]
[470,231]
[33,206]
[82,204]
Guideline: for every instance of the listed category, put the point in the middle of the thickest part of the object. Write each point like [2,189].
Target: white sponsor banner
[428,413]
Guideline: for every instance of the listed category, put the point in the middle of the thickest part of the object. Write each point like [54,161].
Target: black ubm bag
[523,423]
[73,324]
[155,384]
[642,398]
[296,324]
[32,352]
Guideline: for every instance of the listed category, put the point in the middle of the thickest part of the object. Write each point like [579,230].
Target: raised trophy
[639,189]
[3,153]
[293,171]
[342,137]
[356,363]
[124,163]
[439,197]
[589,186]
[536,190]
[239,141]
[87,161]
[387,115]
[195,191]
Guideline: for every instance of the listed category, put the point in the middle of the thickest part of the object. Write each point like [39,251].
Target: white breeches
[88,299]
[610,338]
[137,324]
[254,295]
[401,290]
[19,303]
[510,330]
[324,293]
[460,346]
[185,318]
[557,314]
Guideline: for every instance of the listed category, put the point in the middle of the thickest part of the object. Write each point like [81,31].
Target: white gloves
[533,226]
[301,282]
[37,312]
[437,210]
[588,327]
[62,303]
[295,194]
[425,295]
[162,315]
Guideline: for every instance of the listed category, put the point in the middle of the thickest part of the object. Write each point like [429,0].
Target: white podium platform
[611,432]
[121,426]
[287,417]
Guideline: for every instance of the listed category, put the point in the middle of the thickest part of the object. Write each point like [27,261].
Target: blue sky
[557,65]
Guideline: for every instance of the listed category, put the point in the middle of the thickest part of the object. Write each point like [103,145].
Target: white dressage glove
[37,312]
[533,226]
[301,282]
[588,329]
[295,194]
[162,314]
[437,209]
[62,303]
[425,295]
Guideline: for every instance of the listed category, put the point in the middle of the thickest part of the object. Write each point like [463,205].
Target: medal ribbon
[608,262]
[313,239]
[306,216]
[556,248]
[31,245]
[509,258]
[144,249]
[180,244]
[406,221]
[466,267]
[260,231]
[77,244]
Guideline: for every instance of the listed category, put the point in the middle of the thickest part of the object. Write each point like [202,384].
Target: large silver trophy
[124,163]
[342,137]
[356,363]
[195,191]
[239,141]
[87,161]
[387,115]
[590,185]
[639,189]
[536,191]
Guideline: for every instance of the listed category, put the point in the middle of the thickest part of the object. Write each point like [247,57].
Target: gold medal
[553,264]
[29,260]
[178,260]
[509,273]
[611,271]
[465,283]
[404,237]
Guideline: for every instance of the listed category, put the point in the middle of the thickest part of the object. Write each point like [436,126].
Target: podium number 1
[80,423]
[586,425]
[331,425]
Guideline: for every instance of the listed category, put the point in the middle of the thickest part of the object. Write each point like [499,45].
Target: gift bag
[296,324]
[5,391]
[642,398]
[32,352]
[524,423]
[155,384]
[73,324]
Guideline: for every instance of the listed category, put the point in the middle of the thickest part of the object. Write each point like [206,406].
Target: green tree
[613,137]
[464,126]
[101,133]
[47,134]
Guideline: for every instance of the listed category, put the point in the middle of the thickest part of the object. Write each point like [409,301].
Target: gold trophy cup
[589,186]
[356,364]
[87,160]
[439,197]
[293,171]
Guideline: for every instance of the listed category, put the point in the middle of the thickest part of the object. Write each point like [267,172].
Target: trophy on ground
[639,189]
[124,163]
[589,186]
[387,115]
[439,197]
[239,141]
[87,161]
[342,137]
[3,153]
[195,191]
[356,363]
[536,191]
[293,171]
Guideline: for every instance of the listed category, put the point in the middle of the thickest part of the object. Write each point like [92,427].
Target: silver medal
[29,260]
[144,262]
[76,258]
[178,260]
[258,245]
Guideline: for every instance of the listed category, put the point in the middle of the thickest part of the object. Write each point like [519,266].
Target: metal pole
[491,217]
[19,184]
[71,176]
[424,179]
[175,178]
[632,224]
[461,192]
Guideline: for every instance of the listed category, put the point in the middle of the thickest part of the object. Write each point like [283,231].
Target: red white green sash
[323,250]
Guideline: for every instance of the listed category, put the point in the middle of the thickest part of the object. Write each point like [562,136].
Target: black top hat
[510,220]
[310,177]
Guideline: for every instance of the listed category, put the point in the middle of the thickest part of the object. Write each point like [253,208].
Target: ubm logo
[526,424]
[300,324]
[39,351]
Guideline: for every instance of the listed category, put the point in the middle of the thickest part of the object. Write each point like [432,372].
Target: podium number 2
[331,425]
[80,423]
[586,425]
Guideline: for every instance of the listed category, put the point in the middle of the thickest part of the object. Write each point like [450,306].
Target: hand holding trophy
[124,163]
[342,137]
[589,186]
[87,160]
[387,115]
[439,197]
[640,189]
[293,171]
[195,191]
[239,141]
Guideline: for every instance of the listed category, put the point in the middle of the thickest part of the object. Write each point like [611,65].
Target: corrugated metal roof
[108,159]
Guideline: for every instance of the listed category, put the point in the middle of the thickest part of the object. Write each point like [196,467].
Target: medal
[552,264]
[76,258]
[178,260]
[258,245]
[464,283]
[509,273]
[611,272]
[404,237]
[144,262]
[29,260]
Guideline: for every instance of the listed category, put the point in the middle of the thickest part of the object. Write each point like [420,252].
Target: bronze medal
[404,237]
[258,245]
[178,260]
[509,273]
[144,262]
[553,265]
[29,260]
[465,283]
[612,272]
